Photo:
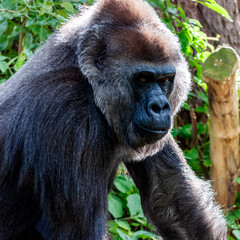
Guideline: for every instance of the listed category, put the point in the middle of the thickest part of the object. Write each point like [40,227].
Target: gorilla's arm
[180,205]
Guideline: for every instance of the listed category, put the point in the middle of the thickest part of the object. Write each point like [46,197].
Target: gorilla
[103,89]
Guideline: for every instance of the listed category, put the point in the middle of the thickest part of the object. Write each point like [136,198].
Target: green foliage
[25,26]
[233,217]
[215,7]
[124,205]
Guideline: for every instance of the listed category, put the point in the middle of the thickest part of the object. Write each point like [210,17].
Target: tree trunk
[219,74]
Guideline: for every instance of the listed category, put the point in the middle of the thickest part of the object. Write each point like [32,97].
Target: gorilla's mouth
[154,130]
[150,135]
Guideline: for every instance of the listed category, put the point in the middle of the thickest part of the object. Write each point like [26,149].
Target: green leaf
[142,233]
[3,58]
[61,14]
[195,22]
[186,106]
[135,224]
[237,213]
[85,1]
[237,180]
[192,154]
[168,2]
[44,33]
[28,53]
[175,132]
[27,40]
[231,220]
[47,5]
[3,26]
[30,21]
[186,131]
[123,224]
[15,31]
[203,96]
[3,66]
[122,184]
[172,10]
[112,227]
[6,4]
[3,42]
[115,206]
[201,128]
[140,218]
[181,12]
[158,3]
[20,61]
[134,204]
[215,7]
[68,6]
[12,60]
[193,159]
[236,233]
[207,163]
[123,235]
[2,80]
[201,110]
[36,29]
[184,38]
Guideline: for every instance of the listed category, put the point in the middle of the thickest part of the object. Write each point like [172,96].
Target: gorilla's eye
[144,77]
[166,79]
[144,80]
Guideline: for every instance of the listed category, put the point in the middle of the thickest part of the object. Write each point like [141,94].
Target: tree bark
[219,74]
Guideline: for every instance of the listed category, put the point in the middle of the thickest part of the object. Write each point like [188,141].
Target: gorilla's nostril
[165,106]
[155,108]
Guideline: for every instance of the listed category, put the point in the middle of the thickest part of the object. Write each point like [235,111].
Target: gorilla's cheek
[116,106]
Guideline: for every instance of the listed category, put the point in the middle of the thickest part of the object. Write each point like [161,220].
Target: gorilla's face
[134,98]
[151,119]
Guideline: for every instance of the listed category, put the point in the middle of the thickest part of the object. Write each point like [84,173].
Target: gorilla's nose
[158,108]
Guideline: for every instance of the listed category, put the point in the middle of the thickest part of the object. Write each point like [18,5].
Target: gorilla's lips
[150,135]
[154,130]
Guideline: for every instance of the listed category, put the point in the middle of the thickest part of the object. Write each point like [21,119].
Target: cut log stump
[219,73]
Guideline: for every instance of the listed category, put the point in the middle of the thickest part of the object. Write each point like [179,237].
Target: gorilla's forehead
[144,43]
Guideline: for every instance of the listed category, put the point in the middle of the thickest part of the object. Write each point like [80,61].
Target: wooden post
[219,73]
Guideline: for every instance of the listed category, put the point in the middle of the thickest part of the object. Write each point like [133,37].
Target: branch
[12,11]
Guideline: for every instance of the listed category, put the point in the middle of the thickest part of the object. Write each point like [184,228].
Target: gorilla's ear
[101,58]
[93,52]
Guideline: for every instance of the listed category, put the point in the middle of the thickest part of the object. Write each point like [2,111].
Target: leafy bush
[124,205]
[25,25]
